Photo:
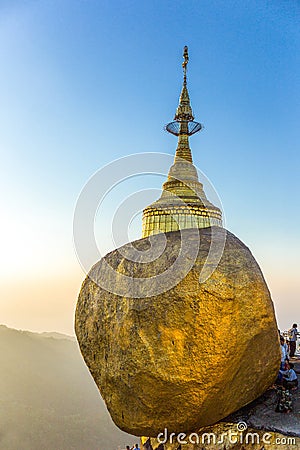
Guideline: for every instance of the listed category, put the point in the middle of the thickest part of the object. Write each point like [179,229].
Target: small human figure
[290,379]
[136,447]
[127,447]
[293,332]
[283,361]
[284,352]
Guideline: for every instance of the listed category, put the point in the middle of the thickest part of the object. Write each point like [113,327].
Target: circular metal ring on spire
[174,128]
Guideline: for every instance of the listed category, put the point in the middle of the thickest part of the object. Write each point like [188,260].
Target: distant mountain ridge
[56,335]
[48,399]
[50,334]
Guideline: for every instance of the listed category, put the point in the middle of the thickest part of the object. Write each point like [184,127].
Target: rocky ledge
[265,429]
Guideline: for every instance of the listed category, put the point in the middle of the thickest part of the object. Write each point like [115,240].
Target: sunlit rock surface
[187,357]
[256,426]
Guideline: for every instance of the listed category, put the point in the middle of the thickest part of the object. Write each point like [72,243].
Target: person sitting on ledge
[290,379]
[283,361]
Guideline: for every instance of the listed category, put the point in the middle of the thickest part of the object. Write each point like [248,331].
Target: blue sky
[85,82]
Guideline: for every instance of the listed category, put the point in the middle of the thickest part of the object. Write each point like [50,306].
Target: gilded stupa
[183,203]
[169,348]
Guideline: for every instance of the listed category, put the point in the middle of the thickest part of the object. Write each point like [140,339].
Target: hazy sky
[85,82]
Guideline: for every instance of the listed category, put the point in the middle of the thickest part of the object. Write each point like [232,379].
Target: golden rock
[188,356]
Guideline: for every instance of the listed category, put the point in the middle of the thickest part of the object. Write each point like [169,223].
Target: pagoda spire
[184,125]
[183,203]
[184,111]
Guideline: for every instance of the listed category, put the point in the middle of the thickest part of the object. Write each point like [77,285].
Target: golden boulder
[185,357]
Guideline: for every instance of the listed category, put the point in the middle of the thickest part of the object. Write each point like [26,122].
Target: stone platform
[260,417]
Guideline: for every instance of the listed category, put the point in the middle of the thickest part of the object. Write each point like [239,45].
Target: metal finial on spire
[185,62]
[184,119]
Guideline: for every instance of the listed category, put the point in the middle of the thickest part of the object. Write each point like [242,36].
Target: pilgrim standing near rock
[293,332]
